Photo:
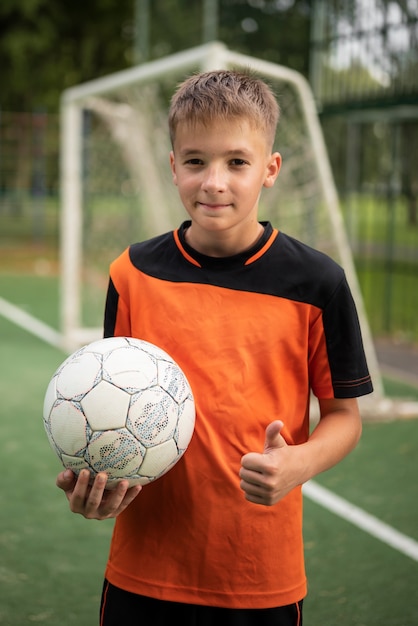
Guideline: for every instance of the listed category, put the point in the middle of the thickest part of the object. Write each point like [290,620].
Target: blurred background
[360,58]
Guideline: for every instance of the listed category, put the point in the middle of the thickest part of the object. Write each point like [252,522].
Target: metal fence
[29,175]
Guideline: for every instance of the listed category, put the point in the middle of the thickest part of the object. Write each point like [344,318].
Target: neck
[222,244]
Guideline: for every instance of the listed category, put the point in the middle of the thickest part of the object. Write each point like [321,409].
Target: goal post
[116,183]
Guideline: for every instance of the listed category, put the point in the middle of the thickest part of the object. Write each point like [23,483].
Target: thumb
[274,439]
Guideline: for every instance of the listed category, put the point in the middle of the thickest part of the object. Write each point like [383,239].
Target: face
[220,170]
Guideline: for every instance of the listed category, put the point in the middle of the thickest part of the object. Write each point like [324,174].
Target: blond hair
[224,94]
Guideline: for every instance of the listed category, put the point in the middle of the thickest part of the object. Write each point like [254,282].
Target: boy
[257,321]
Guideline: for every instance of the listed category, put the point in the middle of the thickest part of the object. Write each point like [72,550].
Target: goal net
[117,187]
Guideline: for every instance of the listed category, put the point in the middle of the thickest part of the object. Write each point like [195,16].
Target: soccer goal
[117,188]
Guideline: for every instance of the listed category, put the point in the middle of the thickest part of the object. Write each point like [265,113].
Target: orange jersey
[255,333]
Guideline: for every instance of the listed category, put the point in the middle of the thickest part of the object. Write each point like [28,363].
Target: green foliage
[383,218]
[69,43]
[267,30]
[47,46]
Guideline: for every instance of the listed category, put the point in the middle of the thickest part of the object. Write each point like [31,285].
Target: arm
[94,501]
[269,476]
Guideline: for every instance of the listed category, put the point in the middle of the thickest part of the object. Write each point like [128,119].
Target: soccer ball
[122,406]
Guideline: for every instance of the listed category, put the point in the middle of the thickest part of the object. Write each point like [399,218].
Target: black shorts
[119,607]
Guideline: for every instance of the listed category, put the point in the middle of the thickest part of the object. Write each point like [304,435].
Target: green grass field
[52,561]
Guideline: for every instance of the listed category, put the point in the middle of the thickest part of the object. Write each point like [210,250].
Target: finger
[274,438]
[255,482]
[247,473]
[90,496]
[251,488]
[66,480]
[255,493]
[78,495]
[116,500]
[124,498]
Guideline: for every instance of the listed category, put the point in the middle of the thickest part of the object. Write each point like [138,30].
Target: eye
[194,161]
[238,162]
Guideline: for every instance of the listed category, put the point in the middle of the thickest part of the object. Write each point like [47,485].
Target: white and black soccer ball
[119,405]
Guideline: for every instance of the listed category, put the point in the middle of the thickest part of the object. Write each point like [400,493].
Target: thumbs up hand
[266,477]
[274,440]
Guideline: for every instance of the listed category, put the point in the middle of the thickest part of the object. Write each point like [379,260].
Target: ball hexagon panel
[130,368]
[172,379]
[115,449]
[159,458]
[78,375]
[152,416]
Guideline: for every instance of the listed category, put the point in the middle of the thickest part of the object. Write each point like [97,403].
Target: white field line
[360,518]
[30,323]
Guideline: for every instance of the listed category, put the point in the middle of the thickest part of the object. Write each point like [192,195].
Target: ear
[173,167]
[273,168]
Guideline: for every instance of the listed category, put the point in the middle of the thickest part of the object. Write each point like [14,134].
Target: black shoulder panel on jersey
[288,268]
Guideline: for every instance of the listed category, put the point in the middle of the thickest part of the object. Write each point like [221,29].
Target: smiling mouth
[213,206]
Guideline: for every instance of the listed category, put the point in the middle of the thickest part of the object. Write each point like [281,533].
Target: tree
[48,45]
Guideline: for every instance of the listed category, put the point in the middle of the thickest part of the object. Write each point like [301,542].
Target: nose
[214,179]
